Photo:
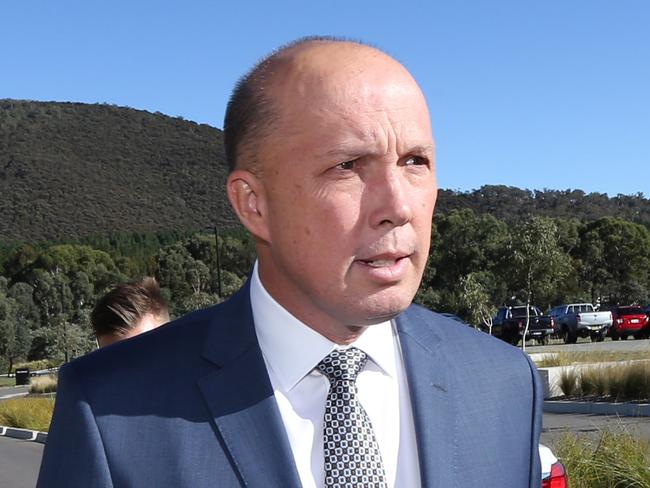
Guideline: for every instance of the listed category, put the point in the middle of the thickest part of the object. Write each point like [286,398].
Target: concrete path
[13,391]
[19,462]
[557,424]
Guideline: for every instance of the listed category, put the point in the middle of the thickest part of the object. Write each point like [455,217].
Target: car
[575,320]
[629,320]
[553,472]
[510,323]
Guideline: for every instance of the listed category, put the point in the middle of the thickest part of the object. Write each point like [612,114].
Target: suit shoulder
[464,341]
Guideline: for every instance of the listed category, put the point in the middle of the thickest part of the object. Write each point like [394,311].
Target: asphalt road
[19,462]
[9,391]
[587,345]
[555,425]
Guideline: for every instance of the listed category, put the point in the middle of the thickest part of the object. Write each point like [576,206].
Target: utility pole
[216,241]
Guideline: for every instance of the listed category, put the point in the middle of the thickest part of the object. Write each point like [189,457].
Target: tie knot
[343,364]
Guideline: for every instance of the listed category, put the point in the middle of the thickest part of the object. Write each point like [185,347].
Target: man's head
[128,310]
[335,178]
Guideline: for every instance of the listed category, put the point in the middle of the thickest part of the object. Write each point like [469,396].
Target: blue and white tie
[352,456]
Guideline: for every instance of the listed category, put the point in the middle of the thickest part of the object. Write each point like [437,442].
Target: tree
[14,333]
[476,300]
[614,259]
[538,264]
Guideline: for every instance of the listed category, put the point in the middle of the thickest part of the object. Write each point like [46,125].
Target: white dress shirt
[291,351]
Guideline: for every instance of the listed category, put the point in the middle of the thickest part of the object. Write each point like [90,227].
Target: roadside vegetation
[27,413]
[7,381]
[566,358]
[43,384]
[614,460]
[625,382]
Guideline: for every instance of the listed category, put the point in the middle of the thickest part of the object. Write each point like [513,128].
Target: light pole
[216,241]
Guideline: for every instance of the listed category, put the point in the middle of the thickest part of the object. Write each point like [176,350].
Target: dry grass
[615,460]
[36,365]
[43,384]
[625,382]
[569,382]
[566,358]
[27,413]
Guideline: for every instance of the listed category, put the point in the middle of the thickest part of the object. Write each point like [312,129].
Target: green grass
[566,358]
[27,413]
[614,460]
[7,381]
[625,382]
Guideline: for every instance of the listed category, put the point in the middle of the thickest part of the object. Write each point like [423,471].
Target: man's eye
[347,165]
[415,160]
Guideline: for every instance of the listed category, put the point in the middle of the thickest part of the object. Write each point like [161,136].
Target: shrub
[615,460]
[635,383]
[43,384]
[594,381]
[627,382]
[569,382]
[27,413]
[37,365]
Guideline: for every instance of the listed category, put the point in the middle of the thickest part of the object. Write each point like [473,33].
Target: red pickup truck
[628,321]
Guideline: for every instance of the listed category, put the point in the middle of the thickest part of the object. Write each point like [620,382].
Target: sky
[552,94]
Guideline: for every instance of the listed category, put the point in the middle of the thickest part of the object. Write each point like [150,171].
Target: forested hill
[70,170]
[513,204]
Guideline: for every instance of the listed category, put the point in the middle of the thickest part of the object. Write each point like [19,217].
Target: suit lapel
[431,398]
[240,398]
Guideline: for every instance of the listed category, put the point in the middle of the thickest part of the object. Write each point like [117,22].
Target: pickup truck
[581,320]
[510,323]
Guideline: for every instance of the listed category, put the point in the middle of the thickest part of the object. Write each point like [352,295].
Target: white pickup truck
[581,320]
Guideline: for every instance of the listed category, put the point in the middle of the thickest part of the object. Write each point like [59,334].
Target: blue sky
[552,94]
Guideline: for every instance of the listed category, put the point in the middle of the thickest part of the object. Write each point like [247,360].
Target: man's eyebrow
[354,150]
[421,149]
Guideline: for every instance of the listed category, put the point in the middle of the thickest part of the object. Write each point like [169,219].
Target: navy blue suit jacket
[191,405]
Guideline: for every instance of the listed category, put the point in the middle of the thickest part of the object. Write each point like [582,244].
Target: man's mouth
[381,263]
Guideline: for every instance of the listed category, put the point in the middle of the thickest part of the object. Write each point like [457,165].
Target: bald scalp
[254,111]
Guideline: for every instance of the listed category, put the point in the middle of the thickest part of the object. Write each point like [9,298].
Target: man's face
[350,189]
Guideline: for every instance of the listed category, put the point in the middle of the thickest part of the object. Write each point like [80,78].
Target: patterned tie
[352,457]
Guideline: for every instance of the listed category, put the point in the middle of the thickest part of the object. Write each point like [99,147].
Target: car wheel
[638,336]
[615,335]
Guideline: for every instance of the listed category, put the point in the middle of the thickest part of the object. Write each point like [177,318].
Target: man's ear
[248,199]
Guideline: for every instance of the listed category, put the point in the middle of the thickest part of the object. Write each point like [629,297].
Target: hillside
[514,204]
[72,170]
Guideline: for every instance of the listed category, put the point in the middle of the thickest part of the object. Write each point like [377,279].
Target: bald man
[319,372]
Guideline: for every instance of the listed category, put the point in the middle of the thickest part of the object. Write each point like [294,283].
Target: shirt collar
[292,349]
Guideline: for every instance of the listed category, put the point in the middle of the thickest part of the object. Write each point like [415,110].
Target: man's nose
[391,199]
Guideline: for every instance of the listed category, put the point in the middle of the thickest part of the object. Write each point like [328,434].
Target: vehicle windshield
[631,311]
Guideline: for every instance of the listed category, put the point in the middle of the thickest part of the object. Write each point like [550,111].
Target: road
[11,391]
[19,462]
[587,345]
[558,424]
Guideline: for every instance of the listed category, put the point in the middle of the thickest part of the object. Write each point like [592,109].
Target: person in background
[128,310]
